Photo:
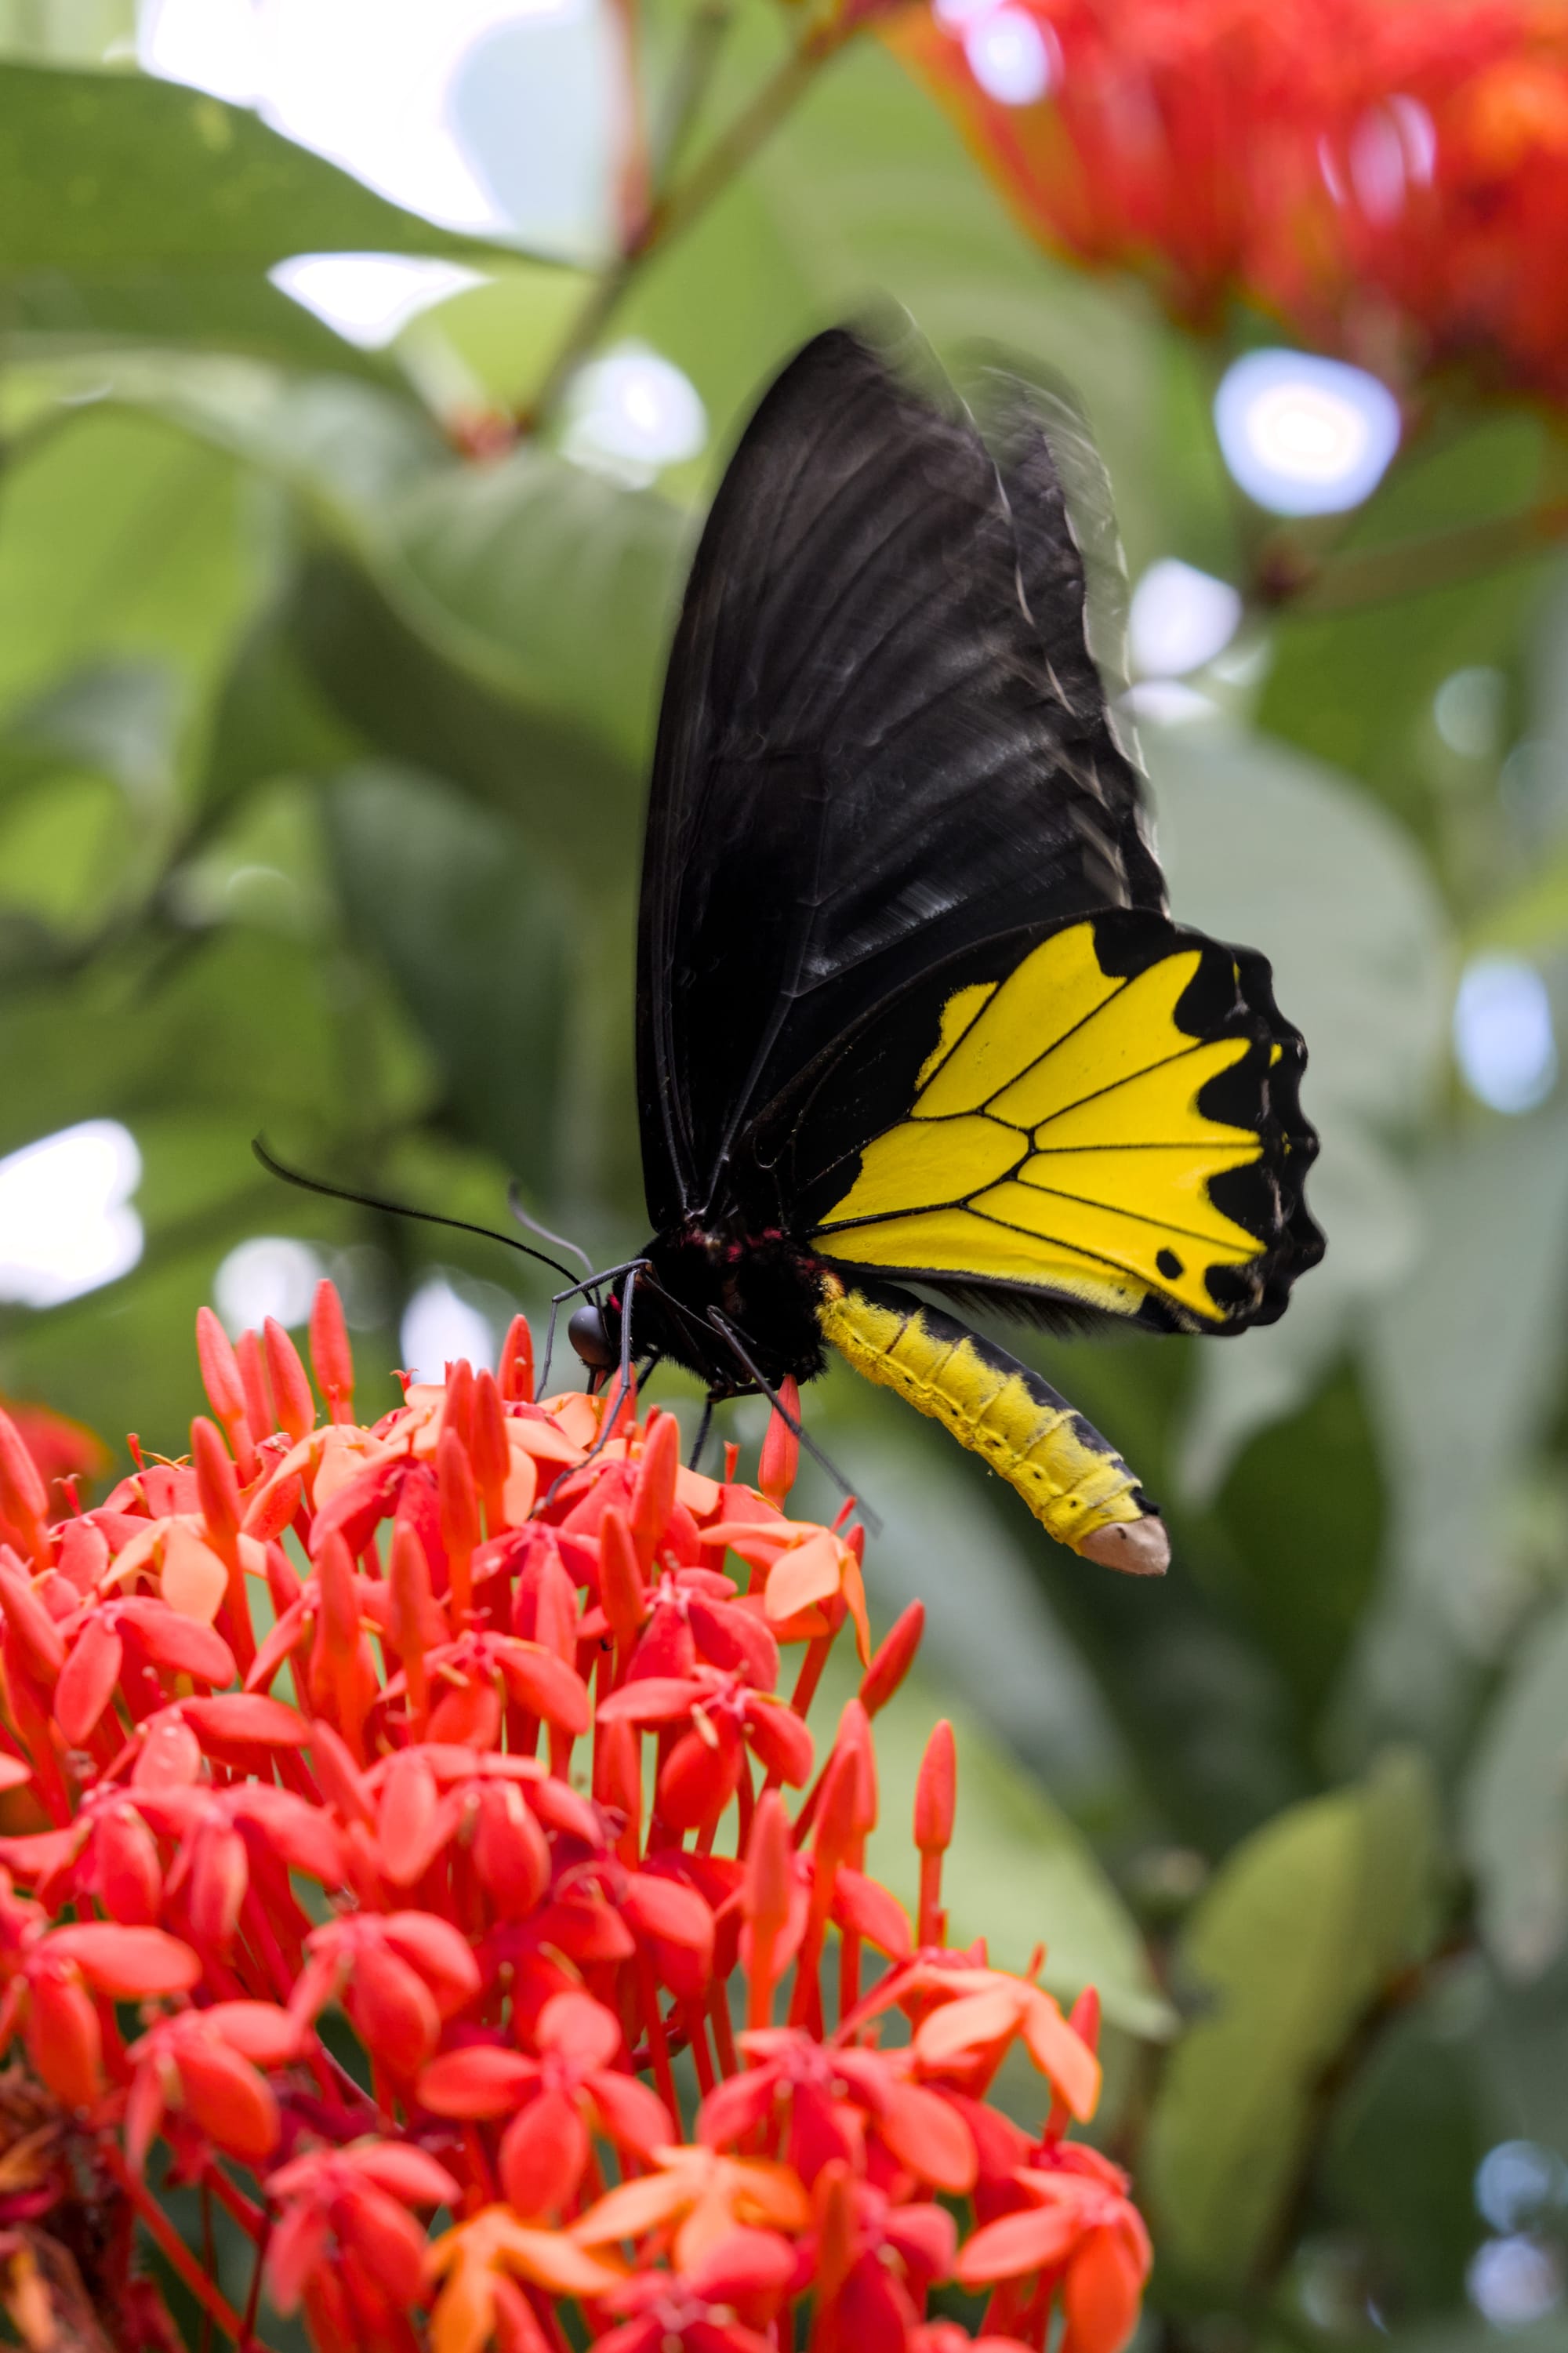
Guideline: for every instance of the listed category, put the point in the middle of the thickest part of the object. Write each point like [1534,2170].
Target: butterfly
[910,1005]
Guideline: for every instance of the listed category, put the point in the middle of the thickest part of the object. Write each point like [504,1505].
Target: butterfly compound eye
[590,1336]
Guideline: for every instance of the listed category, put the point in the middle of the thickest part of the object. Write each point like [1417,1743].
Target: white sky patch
[485,115]
[369,297]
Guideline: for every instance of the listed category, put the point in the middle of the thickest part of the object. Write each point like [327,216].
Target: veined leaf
[1299,1934]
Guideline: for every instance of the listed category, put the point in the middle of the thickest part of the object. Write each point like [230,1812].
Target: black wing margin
[883,744]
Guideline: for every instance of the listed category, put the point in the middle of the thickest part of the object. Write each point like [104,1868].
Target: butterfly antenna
[728,1333]
[395,1208]
[514,1203]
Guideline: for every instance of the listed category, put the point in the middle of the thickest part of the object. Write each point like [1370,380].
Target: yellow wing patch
[1055,1140]
[957,1014]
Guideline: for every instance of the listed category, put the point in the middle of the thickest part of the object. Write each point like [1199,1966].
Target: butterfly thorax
[765,1284]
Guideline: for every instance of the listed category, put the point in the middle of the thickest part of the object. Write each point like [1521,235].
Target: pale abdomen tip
[1138,1548]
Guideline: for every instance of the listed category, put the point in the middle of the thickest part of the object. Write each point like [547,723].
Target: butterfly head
[590,1335]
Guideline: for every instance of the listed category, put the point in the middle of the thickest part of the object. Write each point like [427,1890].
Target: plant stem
[173,2250]
[688,85]
[671,215]
[1376,575]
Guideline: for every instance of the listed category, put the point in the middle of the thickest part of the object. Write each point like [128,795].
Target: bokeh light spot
[1010,57]
[66,1223]
[1304,435]
[439,1326]
[1516,2181]
[1503,1035]
[1468,710]
[1514,2280]
[272,1275]
[1180,618]
[633,412]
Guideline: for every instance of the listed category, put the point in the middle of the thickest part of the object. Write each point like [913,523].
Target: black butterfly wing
[882,744]
[907,987]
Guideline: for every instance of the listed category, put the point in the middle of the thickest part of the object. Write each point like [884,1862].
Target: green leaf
[1296,1938]
[555,587]
[100,170]
[1197,1699]
[1263,846]
[384,679]
[1464,1364]
[478,940]
[503,624]
[1531,919]
[1386,660]
[122,538]
[1401,2153]
[1515,1818]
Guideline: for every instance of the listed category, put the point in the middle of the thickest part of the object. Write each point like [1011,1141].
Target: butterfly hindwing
[1110,1124]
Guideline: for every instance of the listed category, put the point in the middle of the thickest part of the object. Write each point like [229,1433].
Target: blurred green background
[325,709]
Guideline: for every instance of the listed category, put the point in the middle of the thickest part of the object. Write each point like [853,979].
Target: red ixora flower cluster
[1382,175]
[436,1878]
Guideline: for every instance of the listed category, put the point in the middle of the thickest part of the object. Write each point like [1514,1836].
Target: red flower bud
[936,1791]
[781,1447]
[65,2042]
[24,1499]
[218,1488]
[766,1891]
[516,1375]
[290,1389]
[653,1495]
[895,1656]
[457,1412]
[488,1448]
[258,1411]
[332,1358]
[620,1584]
[226,1389]
[459,1515]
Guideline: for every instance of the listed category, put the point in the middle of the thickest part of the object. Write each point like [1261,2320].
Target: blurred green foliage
[321,756]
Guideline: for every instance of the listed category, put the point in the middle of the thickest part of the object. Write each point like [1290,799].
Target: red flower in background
[333,1905]
[1382,174]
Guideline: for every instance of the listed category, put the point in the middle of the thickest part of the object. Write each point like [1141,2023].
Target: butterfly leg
[623,1380]
[726,1332]
[703,1427]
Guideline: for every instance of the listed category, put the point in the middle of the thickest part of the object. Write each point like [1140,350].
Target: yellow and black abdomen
[1073,1481]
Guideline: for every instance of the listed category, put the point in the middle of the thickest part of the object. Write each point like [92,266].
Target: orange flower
[694,2200]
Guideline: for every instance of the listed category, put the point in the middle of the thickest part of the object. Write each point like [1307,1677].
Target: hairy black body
[767,1286]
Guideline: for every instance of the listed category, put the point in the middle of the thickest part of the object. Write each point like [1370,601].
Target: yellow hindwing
[1055,1139]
